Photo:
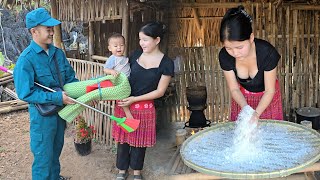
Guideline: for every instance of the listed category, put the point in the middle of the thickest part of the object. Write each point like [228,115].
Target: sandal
[122,176]
[64,178]
[137,177]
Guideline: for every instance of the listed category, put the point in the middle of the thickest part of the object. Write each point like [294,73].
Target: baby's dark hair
[115,35]
[154,29]
[236,25]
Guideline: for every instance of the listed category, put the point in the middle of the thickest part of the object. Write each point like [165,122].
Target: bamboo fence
[86,70]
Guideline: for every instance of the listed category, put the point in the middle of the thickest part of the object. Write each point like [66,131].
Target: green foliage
[10,67]
[23,4]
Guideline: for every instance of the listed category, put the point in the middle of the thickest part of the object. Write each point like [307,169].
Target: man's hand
[66,99]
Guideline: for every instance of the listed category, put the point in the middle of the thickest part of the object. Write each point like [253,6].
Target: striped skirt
[145,135]
[273,111]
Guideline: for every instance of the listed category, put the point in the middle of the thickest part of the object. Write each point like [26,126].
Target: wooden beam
[91,41]
[196,18]
[213,5]
[198,23]
[125,24]
[99,58]
[6,81]
[12,105]
[57,37]
[234,4]
[188,18]
[305,7]
[105,18]
[6,78]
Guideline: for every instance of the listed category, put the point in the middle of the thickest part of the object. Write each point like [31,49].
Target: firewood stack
[8,98]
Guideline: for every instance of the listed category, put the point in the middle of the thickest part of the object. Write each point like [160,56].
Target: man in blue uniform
[36,64]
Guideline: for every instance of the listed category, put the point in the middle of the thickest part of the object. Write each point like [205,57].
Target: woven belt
[142,105]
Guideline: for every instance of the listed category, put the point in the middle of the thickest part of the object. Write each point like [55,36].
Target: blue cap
[40,16]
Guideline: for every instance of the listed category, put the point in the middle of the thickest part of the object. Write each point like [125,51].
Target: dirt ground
[16,157]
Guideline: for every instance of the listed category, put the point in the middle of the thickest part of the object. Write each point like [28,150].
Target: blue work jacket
[35,65]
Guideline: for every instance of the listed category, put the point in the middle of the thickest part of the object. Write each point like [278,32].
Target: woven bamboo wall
[298,43]
[86,70]
[199,66]
[293,30]
[93,10]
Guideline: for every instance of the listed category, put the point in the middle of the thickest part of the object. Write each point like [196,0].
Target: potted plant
[83,136]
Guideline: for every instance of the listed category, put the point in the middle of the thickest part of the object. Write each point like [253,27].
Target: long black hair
[236,25]
[154,29]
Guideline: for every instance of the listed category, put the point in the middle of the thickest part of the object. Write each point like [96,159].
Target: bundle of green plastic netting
[77,90]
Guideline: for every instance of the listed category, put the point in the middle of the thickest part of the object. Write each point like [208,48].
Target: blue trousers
[47,139]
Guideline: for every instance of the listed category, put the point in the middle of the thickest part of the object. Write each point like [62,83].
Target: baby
[117,62]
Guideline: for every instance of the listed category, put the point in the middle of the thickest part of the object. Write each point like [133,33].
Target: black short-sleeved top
[267,59]
[143,80]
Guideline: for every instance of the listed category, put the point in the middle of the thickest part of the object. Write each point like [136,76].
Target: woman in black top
[151,72]
[250,67]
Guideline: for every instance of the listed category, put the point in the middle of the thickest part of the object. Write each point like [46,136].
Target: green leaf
[1,59]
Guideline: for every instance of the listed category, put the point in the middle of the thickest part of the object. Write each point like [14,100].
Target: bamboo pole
[12,103]
[125,24]
[316,57]
[305,7]
[298,63]
[10,93]
[304,66]
[5,75]
[4,78]
[214,4]
[99,58]
[196,18]
[289,66]
[212,83]
[6,81]
[91,40]
[309,62]
[10,108]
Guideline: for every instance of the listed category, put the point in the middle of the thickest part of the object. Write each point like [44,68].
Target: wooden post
[57,38]
[198,23]
[125,24]
[91,36]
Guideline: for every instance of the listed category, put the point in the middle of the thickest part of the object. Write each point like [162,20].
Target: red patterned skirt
[145,135]
[273,111]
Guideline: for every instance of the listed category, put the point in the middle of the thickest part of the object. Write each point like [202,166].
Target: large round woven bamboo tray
[303,138]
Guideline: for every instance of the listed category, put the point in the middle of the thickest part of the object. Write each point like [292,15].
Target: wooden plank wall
[86,70]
